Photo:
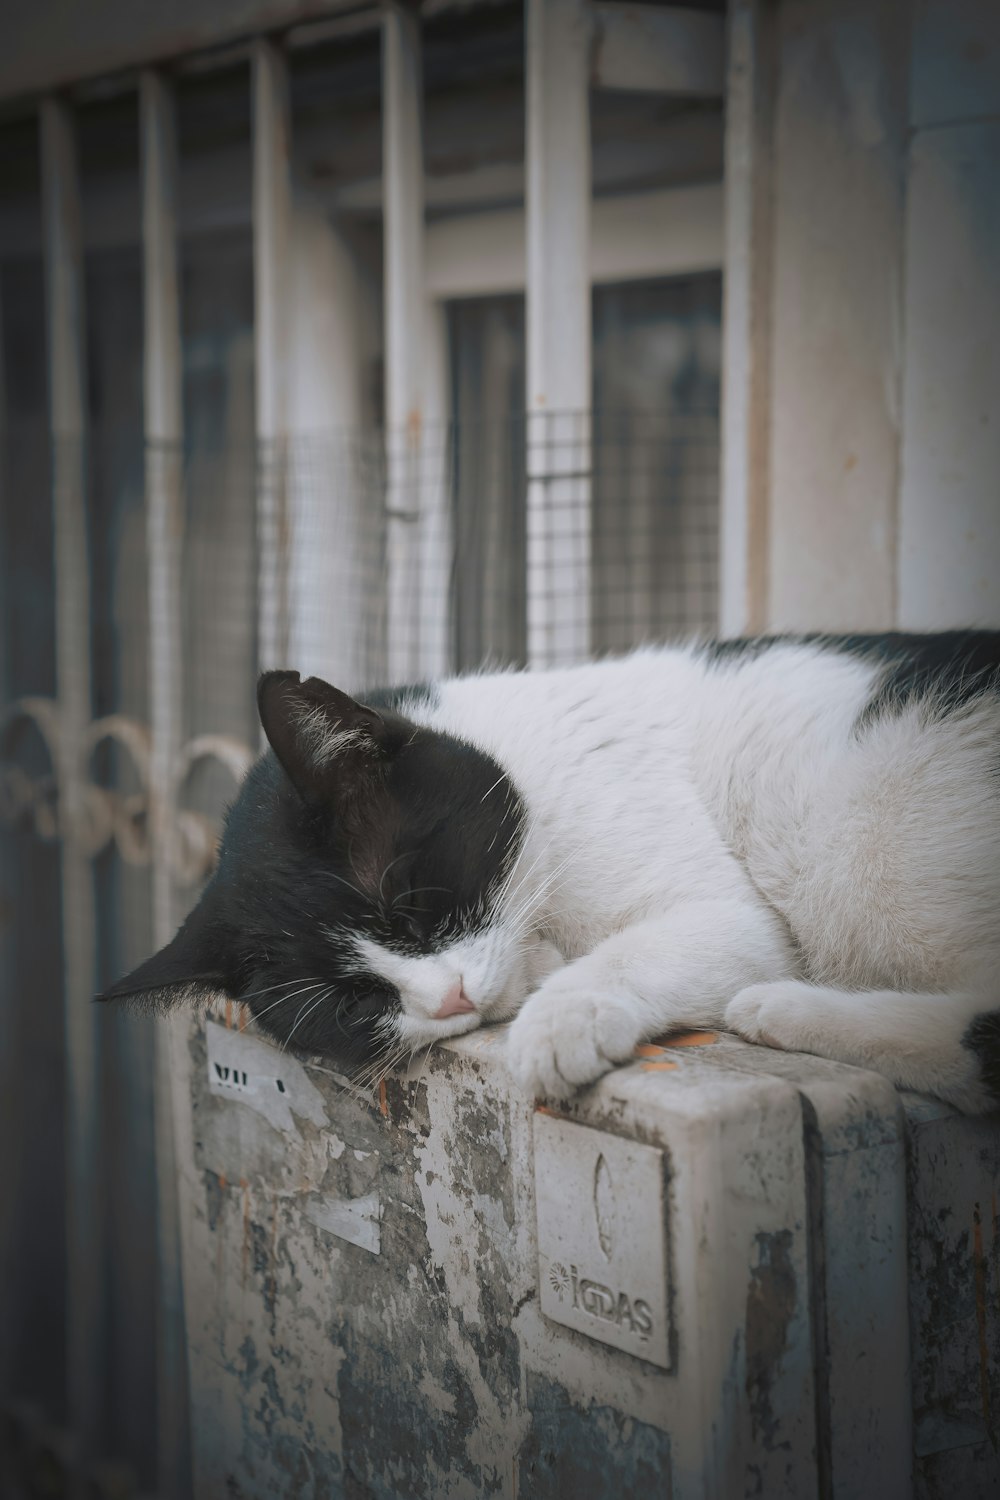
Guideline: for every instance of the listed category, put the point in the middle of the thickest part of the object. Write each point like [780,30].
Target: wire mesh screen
[439,549]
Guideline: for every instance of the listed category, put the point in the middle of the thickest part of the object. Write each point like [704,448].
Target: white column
[332,572]
[559,329]
[163,435]
[405,327]
[436,540]
[743,515]
[272,208]
[162,415]
[67,422]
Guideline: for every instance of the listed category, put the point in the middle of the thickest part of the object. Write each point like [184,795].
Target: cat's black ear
[317,732]
[190,969]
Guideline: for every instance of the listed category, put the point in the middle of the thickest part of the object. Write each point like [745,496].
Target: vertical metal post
[743,535]
[436,494]
[272,209]
[10,1071]
[559,329]
[405,325]
[163,434]
[162,407]
[85,1332]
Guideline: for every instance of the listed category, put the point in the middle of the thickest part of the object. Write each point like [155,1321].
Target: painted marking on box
[602,1263]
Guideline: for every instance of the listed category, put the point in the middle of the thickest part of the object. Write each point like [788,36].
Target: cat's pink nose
[455,1003]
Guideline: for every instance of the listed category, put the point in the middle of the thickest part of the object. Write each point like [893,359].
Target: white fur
[916,1040]
[695,829]
[495,968]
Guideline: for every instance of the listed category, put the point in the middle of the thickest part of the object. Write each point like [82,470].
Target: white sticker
[271,1082]
[353,1219]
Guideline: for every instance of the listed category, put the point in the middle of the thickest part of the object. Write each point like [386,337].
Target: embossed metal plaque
[602,1262]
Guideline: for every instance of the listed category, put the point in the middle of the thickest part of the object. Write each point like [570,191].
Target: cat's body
[796,840]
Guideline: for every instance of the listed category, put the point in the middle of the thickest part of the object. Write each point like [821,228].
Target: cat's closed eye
[410,927]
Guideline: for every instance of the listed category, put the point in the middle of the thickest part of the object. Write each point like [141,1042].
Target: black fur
[402,837]
[982,1037]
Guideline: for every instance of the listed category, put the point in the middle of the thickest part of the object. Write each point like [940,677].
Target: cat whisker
[388,867]
[282,983]
[420,889]
[313,1005]
[315,984]
[350,885]
[534,900]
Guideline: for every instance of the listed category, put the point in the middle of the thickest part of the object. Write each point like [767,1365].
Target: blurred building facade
[383,341]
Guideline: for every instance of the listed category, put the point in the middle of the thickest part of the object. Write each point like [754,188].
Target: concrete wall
[884,444]
[949,514]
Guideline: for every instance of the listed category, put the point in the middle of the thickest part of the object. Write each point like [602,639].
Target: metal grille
[629,498]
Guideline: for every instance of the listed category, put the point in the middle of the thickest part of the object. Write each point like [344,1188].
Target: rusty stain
[656,1067]
[246,1229]
[229,1014]
[850,462]
[979,1271]
[648,1049]
[771,1302]
[271,1286]
[383,1103]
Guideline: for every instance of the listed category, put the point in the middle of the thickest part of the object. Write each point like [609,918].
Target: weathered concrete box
[691,1281]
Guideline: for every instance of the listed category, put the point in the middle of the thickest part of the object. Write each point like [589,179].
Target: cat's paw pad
[770,1014]
[566,1036]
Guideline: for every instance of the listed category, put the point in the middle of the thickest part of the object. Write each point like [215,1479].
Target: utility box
[722,1271]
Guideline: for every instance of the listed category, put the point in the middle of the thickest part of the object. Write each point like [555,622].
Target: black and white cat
[795,839]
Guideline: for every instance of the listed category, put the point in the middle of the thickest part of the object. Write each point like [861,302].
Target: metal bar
[12,1097]
[559,330]
[163,433]
[437,478]
[743,532]
[405,326]
[659,49]
[272,208]
[85,1331]
[162,406]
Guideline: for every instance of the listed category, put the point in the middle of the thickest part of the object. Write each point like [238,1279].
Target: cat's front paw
[567,1035]
[769,1014]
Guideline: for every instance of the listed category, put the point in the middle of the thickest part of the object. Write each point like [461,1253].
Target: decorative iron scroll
[126,819]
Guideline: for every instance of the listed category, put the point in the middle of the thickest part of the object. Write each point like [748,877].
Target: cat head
[358,905]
